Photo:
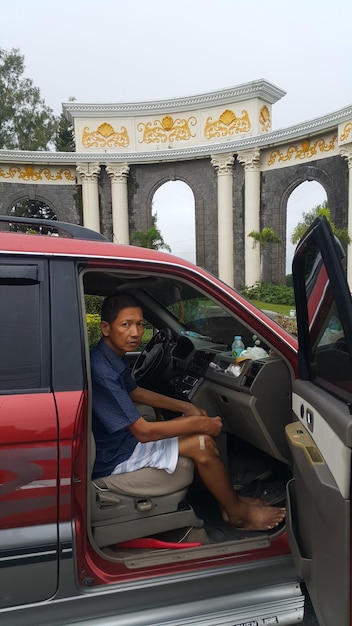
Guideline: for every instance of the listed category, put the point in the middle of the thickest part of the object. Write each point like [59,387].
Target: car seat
[140,503]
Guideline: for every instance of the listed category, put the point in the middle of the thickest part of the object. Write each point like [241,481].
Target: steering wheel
[154,358]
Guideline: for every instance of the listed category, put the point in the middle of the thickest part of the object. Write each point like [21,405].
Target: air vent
[255,368]
[251,374]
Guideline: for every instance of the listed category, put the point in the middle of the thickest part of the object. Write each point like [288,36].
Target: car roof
[51,245]
[23,243]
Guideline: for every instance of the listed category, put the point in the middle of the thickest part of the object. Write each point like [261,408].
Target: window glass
[20,354]
[331,363]
[166,302]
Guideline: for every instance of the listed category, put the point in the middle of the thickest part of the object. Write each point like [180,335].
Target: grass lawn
[284,309]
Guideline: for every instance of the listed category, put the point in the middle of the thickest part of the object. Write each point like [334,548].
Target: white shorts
[161,454]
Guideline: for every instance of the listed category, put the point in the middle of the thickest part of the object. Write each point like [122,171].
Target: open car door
[320,439]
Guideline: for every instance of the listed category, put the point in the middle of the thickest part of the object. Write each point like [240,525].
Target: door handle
[310,420]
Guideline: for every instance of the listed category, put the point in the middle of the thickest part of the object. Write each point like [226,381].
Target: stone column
[251,161]
[346,152]
[118,173]
[223,164]
[89,174]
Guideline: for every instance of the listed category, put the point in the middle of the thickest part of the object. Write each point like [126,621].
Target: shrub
[289,280]
[267,292]
[93,304]
[288,323]
[93,328]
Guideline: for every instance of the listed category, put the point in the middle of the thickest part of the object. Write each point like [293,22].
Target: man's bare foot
[257,517]
[247,500]
[253,501]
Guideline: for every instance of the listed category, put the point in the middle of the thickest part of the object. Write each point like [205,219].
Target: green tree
[308,219]
[26,123]
[33,209]
[265,236]
[65,138]
[151,238]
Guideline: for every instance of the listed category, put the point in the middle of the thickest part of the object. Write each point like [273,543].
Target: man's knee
[207,447]
[201,448]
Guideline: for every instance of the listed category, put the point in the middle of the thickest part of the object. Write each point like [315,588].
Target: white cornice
[285,135]
[262,89]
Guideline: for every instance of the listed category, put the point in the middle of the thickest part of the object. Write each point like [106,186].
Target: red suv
[75,551]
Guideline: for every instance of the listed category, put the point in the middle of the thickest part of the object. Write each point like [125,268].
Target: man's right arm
[196,424]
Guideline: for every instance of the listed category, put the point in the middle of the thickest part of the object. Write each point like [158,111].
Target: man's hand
[178,427]
[213,426]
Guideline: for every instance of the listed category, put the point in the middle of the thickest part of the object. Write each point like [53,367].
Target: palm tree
[264,237]
[151,238]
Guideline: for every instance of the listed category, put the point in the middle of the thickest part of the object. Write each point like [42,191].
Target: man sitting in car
[125,441]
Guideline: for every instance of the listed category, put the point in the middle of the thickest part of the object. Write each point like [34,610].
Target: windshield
[196,312]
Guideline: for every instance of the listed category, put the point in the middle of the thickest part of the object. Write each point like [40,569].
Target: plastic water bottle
[237,346]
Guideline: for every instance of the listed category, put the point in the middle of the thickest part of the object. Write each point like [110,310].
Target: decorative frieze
[192,122]
[167,129]
[105,136]
[346,132]
[32,174]
[305,150]
[265,119]
[227,124]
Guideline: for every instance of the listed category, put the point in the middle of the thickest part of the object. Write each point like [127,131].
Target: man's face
[124,334]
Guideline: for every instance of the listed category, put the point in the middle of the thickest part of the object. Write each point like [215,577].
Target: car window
[331,364]
[21,325]
[167,302]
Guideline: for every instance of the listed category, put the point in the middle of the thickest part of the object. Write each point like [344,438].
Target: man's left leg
[242,513]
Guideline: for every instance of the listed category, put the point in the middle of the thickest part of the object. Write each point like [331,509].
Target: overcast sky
[132,50]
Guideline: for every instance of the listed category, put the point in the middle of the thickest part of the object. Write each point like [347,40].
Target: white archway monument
[227,127]
[207,125]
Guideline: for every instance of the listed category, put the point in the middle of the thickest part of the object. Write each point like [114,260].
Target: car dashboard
[253,399]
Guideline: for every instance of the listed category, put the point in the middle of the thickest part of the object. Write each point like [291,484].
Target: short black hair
[112,306]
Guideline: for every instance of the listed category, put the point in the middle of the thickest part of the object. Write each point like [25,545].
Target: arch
[277,186]
[296,206]
[174,204]
[64,200]
[199,175]
[32,207]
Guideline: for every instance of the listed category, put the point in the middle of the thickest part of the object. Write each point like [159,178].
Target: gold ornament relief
[105,136]
[29,173]
[306,151]
[166,129]
[264,119]
[346,131]
[227,124]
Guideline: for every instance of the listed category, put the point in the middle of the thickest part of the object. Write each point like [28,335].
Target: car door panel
[320,440]
[28,437]
[328,421]
[318,525]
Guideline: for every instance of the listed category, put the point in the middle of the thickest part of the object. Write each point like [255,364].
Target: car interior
[186,353]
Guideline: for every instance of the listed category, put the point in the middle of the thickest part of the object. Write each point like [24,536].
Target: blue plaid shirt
[113,409]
